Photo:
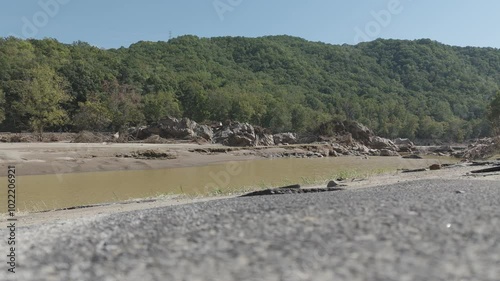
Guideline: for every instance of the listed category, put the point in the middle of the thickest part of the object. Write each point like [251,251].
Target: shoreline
[457,172]
[70,158]
[66,158]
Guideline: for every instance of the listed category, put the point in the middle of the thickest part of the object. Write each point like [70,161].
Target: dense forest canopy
[416,89]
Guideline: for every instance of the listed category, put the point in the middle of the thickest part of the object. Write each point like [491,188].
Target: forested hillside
[416,89]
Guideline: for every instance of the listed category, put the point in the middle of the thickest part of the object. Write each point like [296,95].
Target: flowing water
[48,192]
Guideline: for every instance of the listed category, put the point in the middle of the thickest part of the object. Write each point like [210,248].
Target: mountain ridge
[400,88]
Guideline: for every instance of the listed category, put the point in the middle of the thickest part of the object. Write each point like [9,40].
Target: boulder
[332,184]
[236,134]
[173,128]
[358,131]
[388,153]
[401,141]
[204,132]
[333,153]
[339,149]
[265,139]
[404,145]
[241,140]
[140,133]
[289,138]
[362,149]
[346,140]
[435,167]
[178,129]
[382,143]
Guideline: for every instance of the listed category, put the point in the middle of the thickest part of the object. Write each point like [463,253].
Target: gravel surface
[423,230]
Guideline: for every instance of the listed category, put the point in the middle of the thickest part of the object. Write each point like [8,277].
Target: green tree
[219,105]
[194,99]
[430,129]
[2,106]
[92,115]
[124,104]
[159,105]
[42,102]
[494,114]
[420,88]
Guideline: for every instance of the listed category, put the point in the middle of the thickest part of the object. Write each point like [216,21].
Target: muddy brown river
[49,192]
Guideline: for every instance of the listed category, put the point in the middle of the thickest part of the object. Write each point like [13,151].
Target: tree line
[416,89]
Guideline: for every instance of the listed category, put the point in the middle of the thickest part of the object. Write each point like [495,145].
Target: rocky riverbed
[333,139]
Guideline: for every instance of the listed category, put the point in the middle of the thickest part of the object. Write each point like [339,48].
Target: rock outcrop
[173,128]
[382,143]
[482,149]
[356,139]
[341,138]
[389,153]
[285,138]
[236,134]
[404,145]
[356,131]
[243,134]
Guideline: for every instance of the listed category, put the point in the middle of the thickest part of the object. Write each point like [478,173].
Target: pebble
[332,184]
[435,167]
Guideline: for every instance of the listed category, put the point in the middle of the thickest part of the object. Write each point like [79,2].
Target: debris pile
[482,149]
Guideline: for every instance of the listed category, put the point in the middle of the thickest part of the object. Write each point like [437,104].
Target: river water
[48,192]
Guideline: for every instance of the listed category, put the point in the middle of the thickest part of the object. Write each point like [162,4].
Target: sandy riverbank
[61,158]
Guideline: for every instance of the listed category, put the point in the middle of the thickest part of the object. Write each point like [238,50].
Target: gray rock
[358,131]
[236,134]
[404,145]
[333,153]
[388,153]
[401,141]
[435,167]
[339,149]
[382,143]
[204,131]
[289,138]
[179,129]
[139,133]
[265,139]
[332,184]
[174,128]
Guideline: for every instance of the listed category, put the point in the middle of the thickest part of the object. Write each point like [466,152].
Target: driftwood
[293,190]
[413,156]
[482,163]
[295,186]
[414,171]
[489,170]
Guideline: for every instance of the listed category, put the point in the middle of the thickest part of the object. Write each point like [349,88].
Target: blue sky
[116,23]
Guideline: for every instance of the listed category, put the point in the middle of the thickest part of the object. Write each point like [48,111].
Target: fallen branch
[279,191]
[414,171]
[489,170]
